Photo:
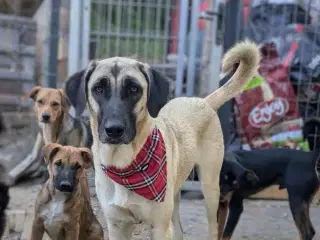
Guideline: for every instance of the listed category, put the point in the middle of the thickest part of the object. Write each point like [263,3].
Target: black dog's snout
[114,130]
[65,186]
[45,116]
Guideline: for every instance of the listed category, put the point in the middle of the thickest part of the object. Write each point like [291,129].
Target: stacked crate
[17,60]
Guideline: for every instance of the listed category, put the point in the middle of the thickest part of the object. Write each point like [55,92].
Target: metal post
[74,37]
[216,50]
[53,43]
[233,23]
[192,48]
[86,13]
[231,36]
[182,37]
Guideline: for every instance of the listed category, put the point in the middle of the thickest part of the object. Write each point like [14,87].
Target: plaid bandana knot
[147,174]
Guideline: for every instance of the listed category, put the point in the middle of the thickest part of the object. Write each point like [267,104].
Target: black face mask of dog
[66,164]
[118,98]
[234,176]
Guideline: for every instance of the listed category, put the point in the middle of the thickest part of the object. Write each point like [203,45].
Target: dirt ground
[261,220]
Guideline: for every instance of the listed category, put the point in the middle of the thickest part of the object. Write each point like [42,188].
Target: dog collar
[147,174]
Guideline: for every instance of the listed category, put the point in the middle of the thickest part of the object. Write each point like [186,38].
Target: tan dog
[52,111]
[128,144]
[63,208]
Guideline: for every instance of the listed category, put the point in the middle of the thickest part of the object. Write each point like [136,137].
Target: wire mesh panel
[138,29]
[281,108]
[148,30]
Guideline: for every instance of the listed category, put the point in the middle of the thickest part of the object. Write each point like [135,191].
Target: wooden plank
[191,186]
[270,193]
[275,193]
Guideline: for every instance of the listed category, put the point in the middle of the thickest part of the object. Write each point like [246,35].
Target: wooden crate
[275,193]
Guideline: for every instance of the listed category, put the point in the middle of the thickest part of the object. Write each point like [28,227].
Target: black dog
[295,170]
[4,197]
[74,89]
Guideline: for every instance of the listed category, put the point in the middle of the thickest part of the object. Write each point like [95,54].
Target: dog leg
[120,230]
[300,213]
[222,216]
[96,231]
[178,231]
[37,229]
[211,193]
[306,208]
[163,231]
[72,233]
[235,211]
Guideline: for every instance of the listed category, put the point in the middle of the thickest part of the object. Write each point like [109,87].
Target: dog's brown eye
[40,101]
[55,104]
[58,163]
[98,90]
[133,89]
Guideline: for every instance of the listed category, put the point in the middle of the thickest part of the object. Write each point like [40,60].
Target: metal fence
[185,39]
[289,36]
[151,31]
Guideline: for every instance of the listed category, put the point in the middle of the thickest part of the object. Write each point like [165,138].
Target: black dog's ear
[74,89]
[158,89]
[251,178]
[86,76]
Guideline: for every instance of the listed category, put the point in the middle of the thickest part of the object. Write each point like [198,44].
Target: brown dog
[57,126]
[63,208]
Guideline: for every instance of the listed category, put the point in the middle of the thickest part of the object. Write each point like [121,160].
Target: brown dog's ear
[34,92]
[50,150]
[86,157]
[64,101]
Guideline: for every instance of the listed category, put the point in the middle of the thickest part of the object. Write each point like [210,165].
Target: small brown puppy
[63,208]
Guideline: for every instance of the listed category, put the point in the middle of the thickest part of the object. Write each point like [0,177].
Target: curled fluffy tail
[248,56]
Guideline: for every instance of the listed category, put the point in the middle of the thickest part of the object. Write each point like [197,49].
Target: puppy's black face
[65,179]
[228,184]
[66,165]
[234,176]
[117,114]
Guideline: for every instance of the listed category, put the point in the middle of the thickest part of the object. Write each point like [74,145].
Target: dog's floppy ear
[34,92]
[50,150]
[251,178]
[87,74]
[74,89]
[64,101]
[86,157]
[158,89]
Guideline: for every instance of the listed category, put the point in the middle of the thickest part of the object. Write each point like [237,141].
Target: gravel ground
[261,220]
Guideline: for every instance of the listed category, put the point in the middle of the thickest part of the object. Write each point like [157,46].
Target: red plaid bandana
[147,174]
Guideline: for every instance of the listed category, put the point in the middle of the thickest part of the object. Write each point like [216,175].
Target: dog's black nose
[114,131]
[65,186]
[45,117]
